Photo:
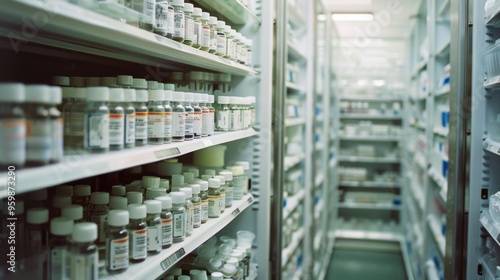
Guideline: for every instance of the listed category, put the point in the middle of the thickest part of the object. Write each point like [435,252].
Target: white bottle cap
[204,97]
[137,211]
[156,95]
[81,93]
[64,190]
[152,85]
[216,276]
[196,188]
[221,24]
[62,81]
[55,95]
[109,82]
[97,94]
[168,95]
[141,95]
[234,100]
[206,177]
[37,94]
[61,226]
[73,212]
[129,95]
[169,86]
[178,96]
[236,170]
[227,174]
[177,180]
[166,202]
[212,20]
[211,99]
[118,203]
[59,201]
[93,81]
[116,95]
[140,84]
[152,193]
[178,197]
[125,80]
[134,197]
[227,29]
[232,260]
[153,206]
[205,16]
[77,81]
[178,3]
[224,100]
[164,184]
[160,86]
[118,218]
[187,191]
[84,232]
[37,216]
[81,190]
[229,269]
[213,183]
[210,172]
[151,181]
[237,255]
[99,198]
[195,171]
[234,33]
[204,185]
[197,12]
[188,8]
[222,179]
[188,177]
[118,190]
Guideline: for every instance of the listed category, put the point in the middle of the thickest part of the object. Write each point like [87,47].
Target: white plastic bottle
[96,120]
[84,256]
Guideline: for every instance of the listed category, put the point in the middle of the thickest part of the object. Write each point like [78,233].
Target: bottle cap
[81,190]
[178,3]
[97,94]
[134,197]
[188,8]
[109,82]
[232,260]
[224,78]
[141,95]
[227,174]
[160,85]
[59,201]
[236,170]
[129,95]
[234,100]
[152,85]
[194,273]
[153,206]
[99,198]
[164,184]
[116,95]
[118,218]
[64,190]
[140,84]
[188,97]
[221,24]
[195,75]
[197,12]
[168,95]
[195,171]
[187,191]
[223,99]
[244,164]
[77,81]
[93,82]
[204,185]
[55,95]
[166,202]
[125,80]
[196,188]
[73,212]
[81,93]
[211,99]
[118,190]
[62,81]
[204,97]
[39,195]
[37,94]
[137,211]
[178,197]
[227,29]
[221,178]
[210,172]
[177,181]
[152,193]
[61,226]
[206,177]
[188,177]
[197,97]
[151,181]
[118,203]
[212,20]
[178,96]
[229,269]
[37,216]
[205,16]
[216,276]
[156,95]
[169,86]
[237,255]
[84,232]
[213,183]
[135,186]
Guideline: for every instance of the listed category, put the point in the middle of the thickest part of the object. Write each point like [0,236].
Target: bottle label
[85,266]
[213,206]
[141,125]
[102,226]
[170,21]
[130,128]
[12,141]
[205,122]
[57,139]
[189,221]
[149,11]
[197,123]
[197,214]
[116,129]
[204,210]
[238,191]
[178,124]
[156,124]
[58,262]
[168,124]
[222,201]
[197,33]
[221,43]
[161,17]
[38,140]
[229,46]
[229,196]
[179,226]
[205,36]
[211,121]
[139,244]
[189,122]
[77,123]
[96,130]
[189,29]
[179,24]
[166,231]
[154,238]
[223,120]
[234,122]
[118,253]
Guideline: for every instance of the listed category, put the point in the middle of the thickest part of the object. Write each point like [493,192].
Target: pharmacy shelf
[491,83]
[369,116]
[371,98]
[318,208]
[442,92]
[295,53]
[78,166]
[370,206]
[292,203]
[491,146]
[370,138]
[288,251]
[232,10]
[320,179]
[435,229]
[291,161]
[157,265]
[75,28]
[295,87]
[294,122]
[492,228]
[441,131]
[392,160]
[431,271]
[369,184]
[367,235]
[440,181]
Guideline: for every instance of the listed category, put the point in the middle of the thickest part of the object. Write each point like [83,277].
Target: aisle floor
[355,263]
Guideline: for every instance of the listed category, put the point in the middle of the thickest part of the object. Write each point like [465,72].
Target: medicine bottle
[177,182]
[204,201]
[188,193]
[248,45]
[229,42]
[161,17]
[96,120]
[178,117]
[222,191]
[61,230]
[239,182]
[99,213]
[117,241]
[168,113]
[197,28]
[153,221]
[204,36]
[223,113]
[212,23]
[13,140]
[221,38]
[189,25]
[211,114]
[214,198]
[56,124]
[179,216]
[116,119]
[166,221]
[205,115]
[156,116]
[147,8]
[129,99]
[234,114]
[84,255]
[238,45]
[229,187]
[179,21]
[141,112]
[37,232]
[189,116]
[137,232]
[76,115]
[81,196]
[197,116]
[38,138]
[73,212]
[196,200]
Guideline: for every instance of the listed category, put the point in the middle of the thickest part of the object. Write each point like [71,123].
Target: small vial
[204,201]
[73,212]
[189,116]
[213,198]
[61,230]
[99,212]
[147,8]
[179,21]
[178,117]
[38,126]
[81,196]
[188,194]
[161,17]
[56,124]
[189,24]
[204,36]
[229,42]
[156,116]
[222,191]
[96,120]
[153,220]
[196,200]
[138,233]
[223,113]
[118,203]
[141,112]
[116,119]
[197,117]
[129,123]
[166,221]
[221,38]
[197,28]
[229,187]
[211,114]
[239,182]
[84,255]
[12,140]
[117,241]
[179,216]
[168,113]
[212,23]
[37,232]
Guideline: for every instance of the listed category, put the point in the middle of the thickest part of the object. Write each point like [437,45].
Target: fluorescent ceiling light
[352,16]
[321,17]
